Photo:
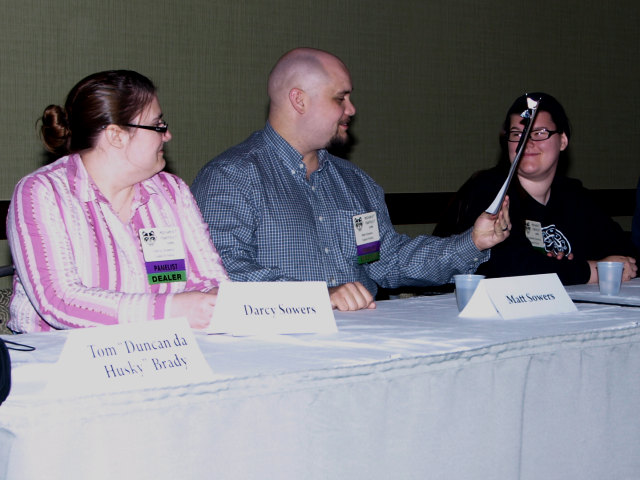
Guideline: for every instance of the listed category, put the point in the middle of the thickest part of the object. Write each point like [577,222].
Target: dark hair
[104,98]
[547,104]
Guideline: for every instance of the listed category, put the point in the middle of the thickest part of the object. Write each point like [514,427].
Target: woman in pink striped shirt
[102,235]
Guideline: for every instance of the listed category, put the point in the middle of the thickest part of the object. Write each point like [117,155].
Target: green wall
[432,79]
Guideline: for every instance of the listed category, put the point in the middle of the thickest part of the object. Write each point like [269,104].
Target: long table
[405,391]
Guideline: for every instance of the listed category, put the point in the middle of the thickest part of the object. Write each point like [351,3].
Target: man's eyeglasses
[536,135]
[161,128]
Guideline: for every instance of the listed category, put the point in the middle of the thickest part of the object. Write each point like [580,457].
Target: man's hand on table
[351,296]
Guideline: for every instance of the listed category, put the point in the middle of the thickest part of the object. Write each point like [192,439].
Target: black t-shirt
[570,222]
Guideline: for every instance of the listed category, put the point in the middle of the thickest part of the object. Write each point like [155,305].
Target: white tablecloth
[406,391]
[629,294]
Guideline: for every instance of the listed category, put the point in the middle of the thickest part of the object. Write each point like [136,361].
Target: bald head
[302,68]
[310,99]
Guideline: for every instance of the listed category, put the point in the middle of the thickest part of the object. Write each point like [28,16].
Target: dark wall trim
[425,208]
[4,208]
[417,208]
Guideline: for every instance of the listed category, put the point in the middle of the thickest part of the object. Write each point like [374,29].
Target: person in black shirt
[556,226]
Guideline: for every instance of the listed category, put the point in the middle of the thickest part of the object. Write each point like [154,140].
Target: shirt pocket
[344,236]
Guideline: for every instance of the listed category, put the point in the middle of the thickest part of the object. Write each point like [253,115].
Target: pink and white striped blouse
[78,265]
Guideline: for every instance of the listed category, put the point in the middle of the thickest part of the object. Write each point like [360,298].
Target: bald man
[281,207]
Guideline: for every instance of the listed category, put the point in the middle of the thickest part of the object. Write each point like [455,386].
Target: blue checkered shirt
[270,223]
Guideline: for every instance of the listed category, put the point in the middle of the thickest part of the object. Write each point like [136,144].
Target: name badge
[533,231]
[163,254]
[367,233]
[518,297]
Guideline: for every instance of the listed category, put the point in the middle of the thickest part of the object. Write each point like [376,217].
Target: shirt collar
[290,157]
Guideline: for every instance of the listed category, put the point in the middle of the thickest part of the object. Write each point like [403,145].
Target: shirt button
[332,281]
[313,188]
[326,249]
[320,218]
[293,171]
[475,259]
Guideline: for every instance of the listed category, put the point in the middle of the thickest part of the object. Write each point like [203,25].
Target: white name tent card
[519,297]
[266,308]
[135,356]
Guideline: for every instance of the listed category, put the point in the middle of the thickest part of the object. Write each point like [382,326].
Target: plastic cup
[465,286]
[609,277]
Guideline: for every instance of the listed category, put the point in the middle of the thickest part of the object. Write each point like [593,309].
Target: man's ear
[298,98]
[116,136]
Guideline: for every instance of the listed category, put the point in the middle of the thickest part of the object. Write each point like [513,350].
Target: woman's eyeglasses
[160,128]
[536,135]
